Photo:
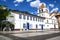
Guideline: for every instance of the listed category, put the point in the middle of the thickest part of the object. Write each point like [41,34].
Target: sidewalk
[30,34]
[29,31]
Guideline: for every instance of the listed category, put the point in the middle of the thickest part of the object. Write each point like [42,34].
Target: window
[41,10]
[20,16]
[36,19]
[36,26]
[47,21]
[41,20]
[30,18]
[39,24]
[33,19]
[53,21]
[24,17]
[24,25]
[27,17]
[47,25]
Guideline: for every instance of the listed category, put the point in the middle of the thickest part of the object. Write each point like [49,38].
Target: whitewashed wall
[19,22]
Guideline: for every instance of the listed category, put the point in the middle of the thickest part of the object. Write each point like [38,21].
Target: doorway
[42,27]
[28,26]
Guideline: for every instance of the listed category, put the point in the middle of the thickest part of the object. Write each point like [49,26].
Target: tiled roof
[24,12]
[54,12]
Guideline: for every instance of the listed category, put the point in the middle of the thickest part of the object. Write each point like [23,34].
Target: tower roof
[42,5]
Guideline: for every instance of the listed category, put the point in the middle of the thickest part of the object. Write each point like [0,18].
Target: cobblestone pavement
[30,35]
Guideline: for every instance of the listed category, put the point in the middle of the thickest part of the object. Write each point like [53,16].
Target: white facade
[24,20]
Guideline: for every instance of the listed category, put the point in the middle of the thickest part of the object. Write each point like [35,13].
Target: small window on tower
[41,10]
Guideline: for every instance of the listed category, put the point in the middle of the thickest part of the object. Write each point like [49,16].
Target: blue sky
[31,5]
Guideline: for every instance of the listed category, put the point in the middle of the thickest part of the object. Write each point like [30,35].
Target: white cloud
[28,0]
[18,1]
[51,5]
[55,9]
[35,3]
[32,13]
[16,4]
[4,0]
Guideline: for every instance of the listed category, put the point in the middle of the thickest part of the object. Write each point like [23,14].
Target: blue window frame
[39,24]
[41,20]
[20,16]
[24,25]
[24,17]
[36,26]
[27,17]
[36,19]
[33,18]
[30,18]
[42,15]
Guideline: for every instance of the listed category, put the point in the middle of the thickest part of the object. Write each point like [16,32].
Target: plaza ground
[30,35]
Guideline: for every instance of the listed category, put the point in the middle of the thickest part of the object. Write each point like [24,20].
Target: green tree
[8,25]
[4,12]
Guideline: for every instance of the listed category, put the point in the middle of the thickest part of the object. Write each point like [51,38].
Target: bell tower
[43,10]
[41,6]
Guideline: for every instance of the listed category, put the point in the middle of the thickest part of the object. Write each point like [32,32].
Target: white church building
[43,19]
